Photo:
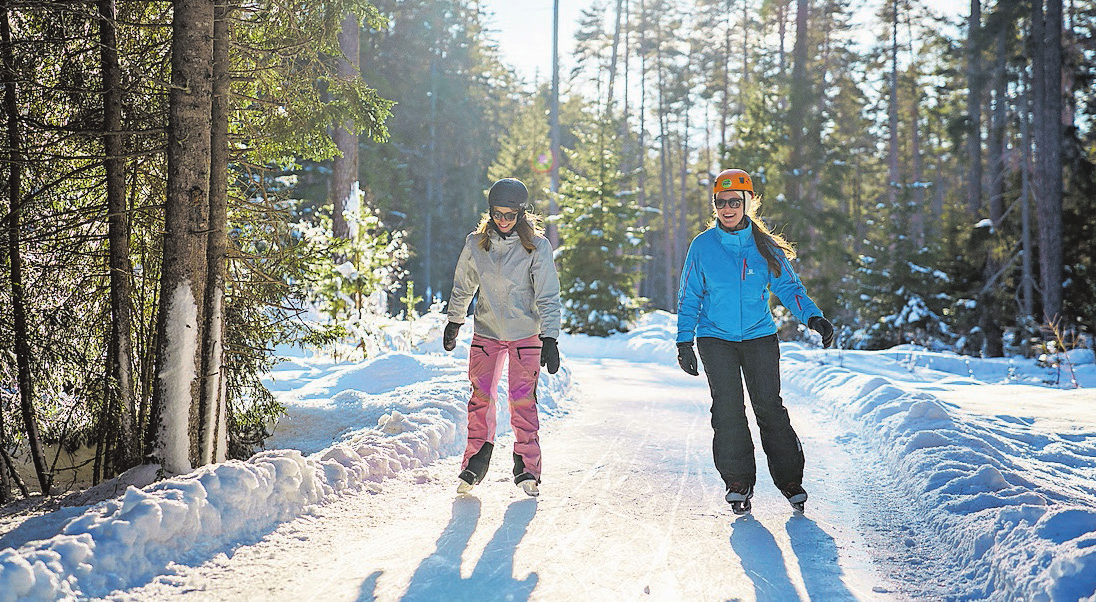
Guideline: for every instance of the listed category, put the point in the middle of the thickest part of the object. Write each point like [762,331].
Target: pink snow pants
[485,359]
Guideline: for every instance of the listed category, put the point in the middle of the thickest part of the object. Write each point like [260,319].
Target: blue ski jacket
[725,288]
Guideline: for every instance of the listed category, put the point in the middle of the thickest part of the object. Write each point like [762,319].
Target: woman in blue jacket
[730,271]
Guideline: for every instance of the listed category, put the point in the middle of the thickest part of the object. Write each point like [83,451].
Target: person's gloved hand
[449,337]
[549,354]
[823,327]
[686,358]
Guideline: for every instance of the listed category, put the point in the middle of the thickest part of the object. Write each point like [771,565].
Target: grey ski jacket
[518,290]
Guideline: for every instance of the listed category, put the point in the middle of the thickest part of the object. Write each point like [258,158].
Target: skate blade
[530,488]
[463,486]
[799,507]
[740,507]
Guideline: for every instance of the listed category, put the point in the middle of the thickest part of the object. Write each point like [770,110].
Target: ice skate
[797,497]
[528,484]
[738,496]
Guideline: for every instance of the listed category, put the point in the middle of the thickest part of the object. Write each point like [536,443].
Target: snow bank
[125,542]
[1013,505]
[653,339]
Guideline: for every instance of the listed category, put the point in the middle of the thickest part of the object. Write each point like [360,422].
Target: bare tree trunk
[212,379]
[1049,199]
[974,108]
[725,101]
[681,234]
[1027,292]
[782,32]
[744,81]
[613,59]
[173,421]
[641,195]
[20,331]
[800,92]
[664,186]
[5,481]
[893,175]
[7,467]
[917,226]
[627,56]
[118,235]
[994,345]
[345,168]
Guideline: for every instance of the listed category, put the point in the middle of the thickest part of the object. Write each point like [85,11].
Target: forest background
[190,184]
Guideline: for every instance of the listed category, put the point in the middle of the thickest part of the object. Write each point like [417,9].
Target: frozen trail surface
[631,509]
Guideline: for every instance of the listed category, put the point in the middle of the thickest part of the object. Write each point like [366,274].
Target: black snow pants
[758,360]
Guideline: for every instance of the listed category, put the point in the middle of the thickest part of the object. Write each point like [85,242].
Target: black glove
[823,327]
[687,359]
[449,337]
[549,354]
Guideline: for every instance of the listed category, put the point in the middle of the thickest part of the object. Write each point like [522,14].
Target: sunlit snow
[932,476]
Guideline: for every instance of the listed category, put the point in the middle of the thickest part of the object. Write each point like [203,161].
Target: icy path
[631,509]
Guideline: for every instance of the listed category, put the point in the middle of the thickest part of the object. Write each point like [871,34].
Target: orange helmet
[733,179]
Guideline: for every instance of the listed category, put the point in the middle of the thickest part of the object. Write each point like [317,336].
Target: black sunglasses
[734,203]
[507,216]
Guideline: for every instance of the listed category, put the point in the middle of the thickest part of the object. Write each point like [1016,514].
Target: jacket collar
[738,238]
[499,239]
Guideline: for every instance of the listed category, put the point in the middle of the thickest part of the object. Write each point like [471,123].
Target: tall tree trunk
[212,381]
[5,482]
[782,33]
[800,94]
[744,80]
[613,60]
[1027,288]
[991,329]
[647,284]
[118,235]
[974,108]
[20,331]
[1049,199]
[664,185]
[552,231]
[917,226]
[173,420]
[345,168]
[892,164]
[623,134]
[725,97]
[684,194]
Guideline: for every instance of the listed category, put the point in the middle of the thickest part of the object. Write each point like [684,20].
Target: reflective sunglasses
[508,216]
[734,203]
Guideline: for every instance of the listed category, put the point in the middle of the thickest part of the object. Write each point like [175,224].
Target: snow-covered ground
[932,476]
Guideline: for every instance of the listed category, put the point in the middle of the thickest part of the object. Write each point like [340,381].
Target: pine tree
[601,240]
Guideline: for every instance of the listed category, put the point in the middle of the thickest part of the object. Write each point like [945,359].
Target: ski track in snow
[631,508]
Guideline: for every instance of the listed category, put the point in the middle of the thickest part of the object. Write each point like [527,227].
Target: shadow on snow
[814,549]
[438,577]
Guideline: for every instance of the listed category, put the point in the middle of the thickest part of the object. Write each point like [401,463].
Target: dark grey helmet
[508,192]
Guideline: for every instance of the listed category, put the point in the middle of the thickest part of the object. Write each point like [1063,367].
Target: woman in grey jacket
[509,262]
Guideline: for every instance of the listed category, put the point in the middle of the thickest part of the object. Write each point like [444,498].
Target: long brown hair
[527,228]
[766,240]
